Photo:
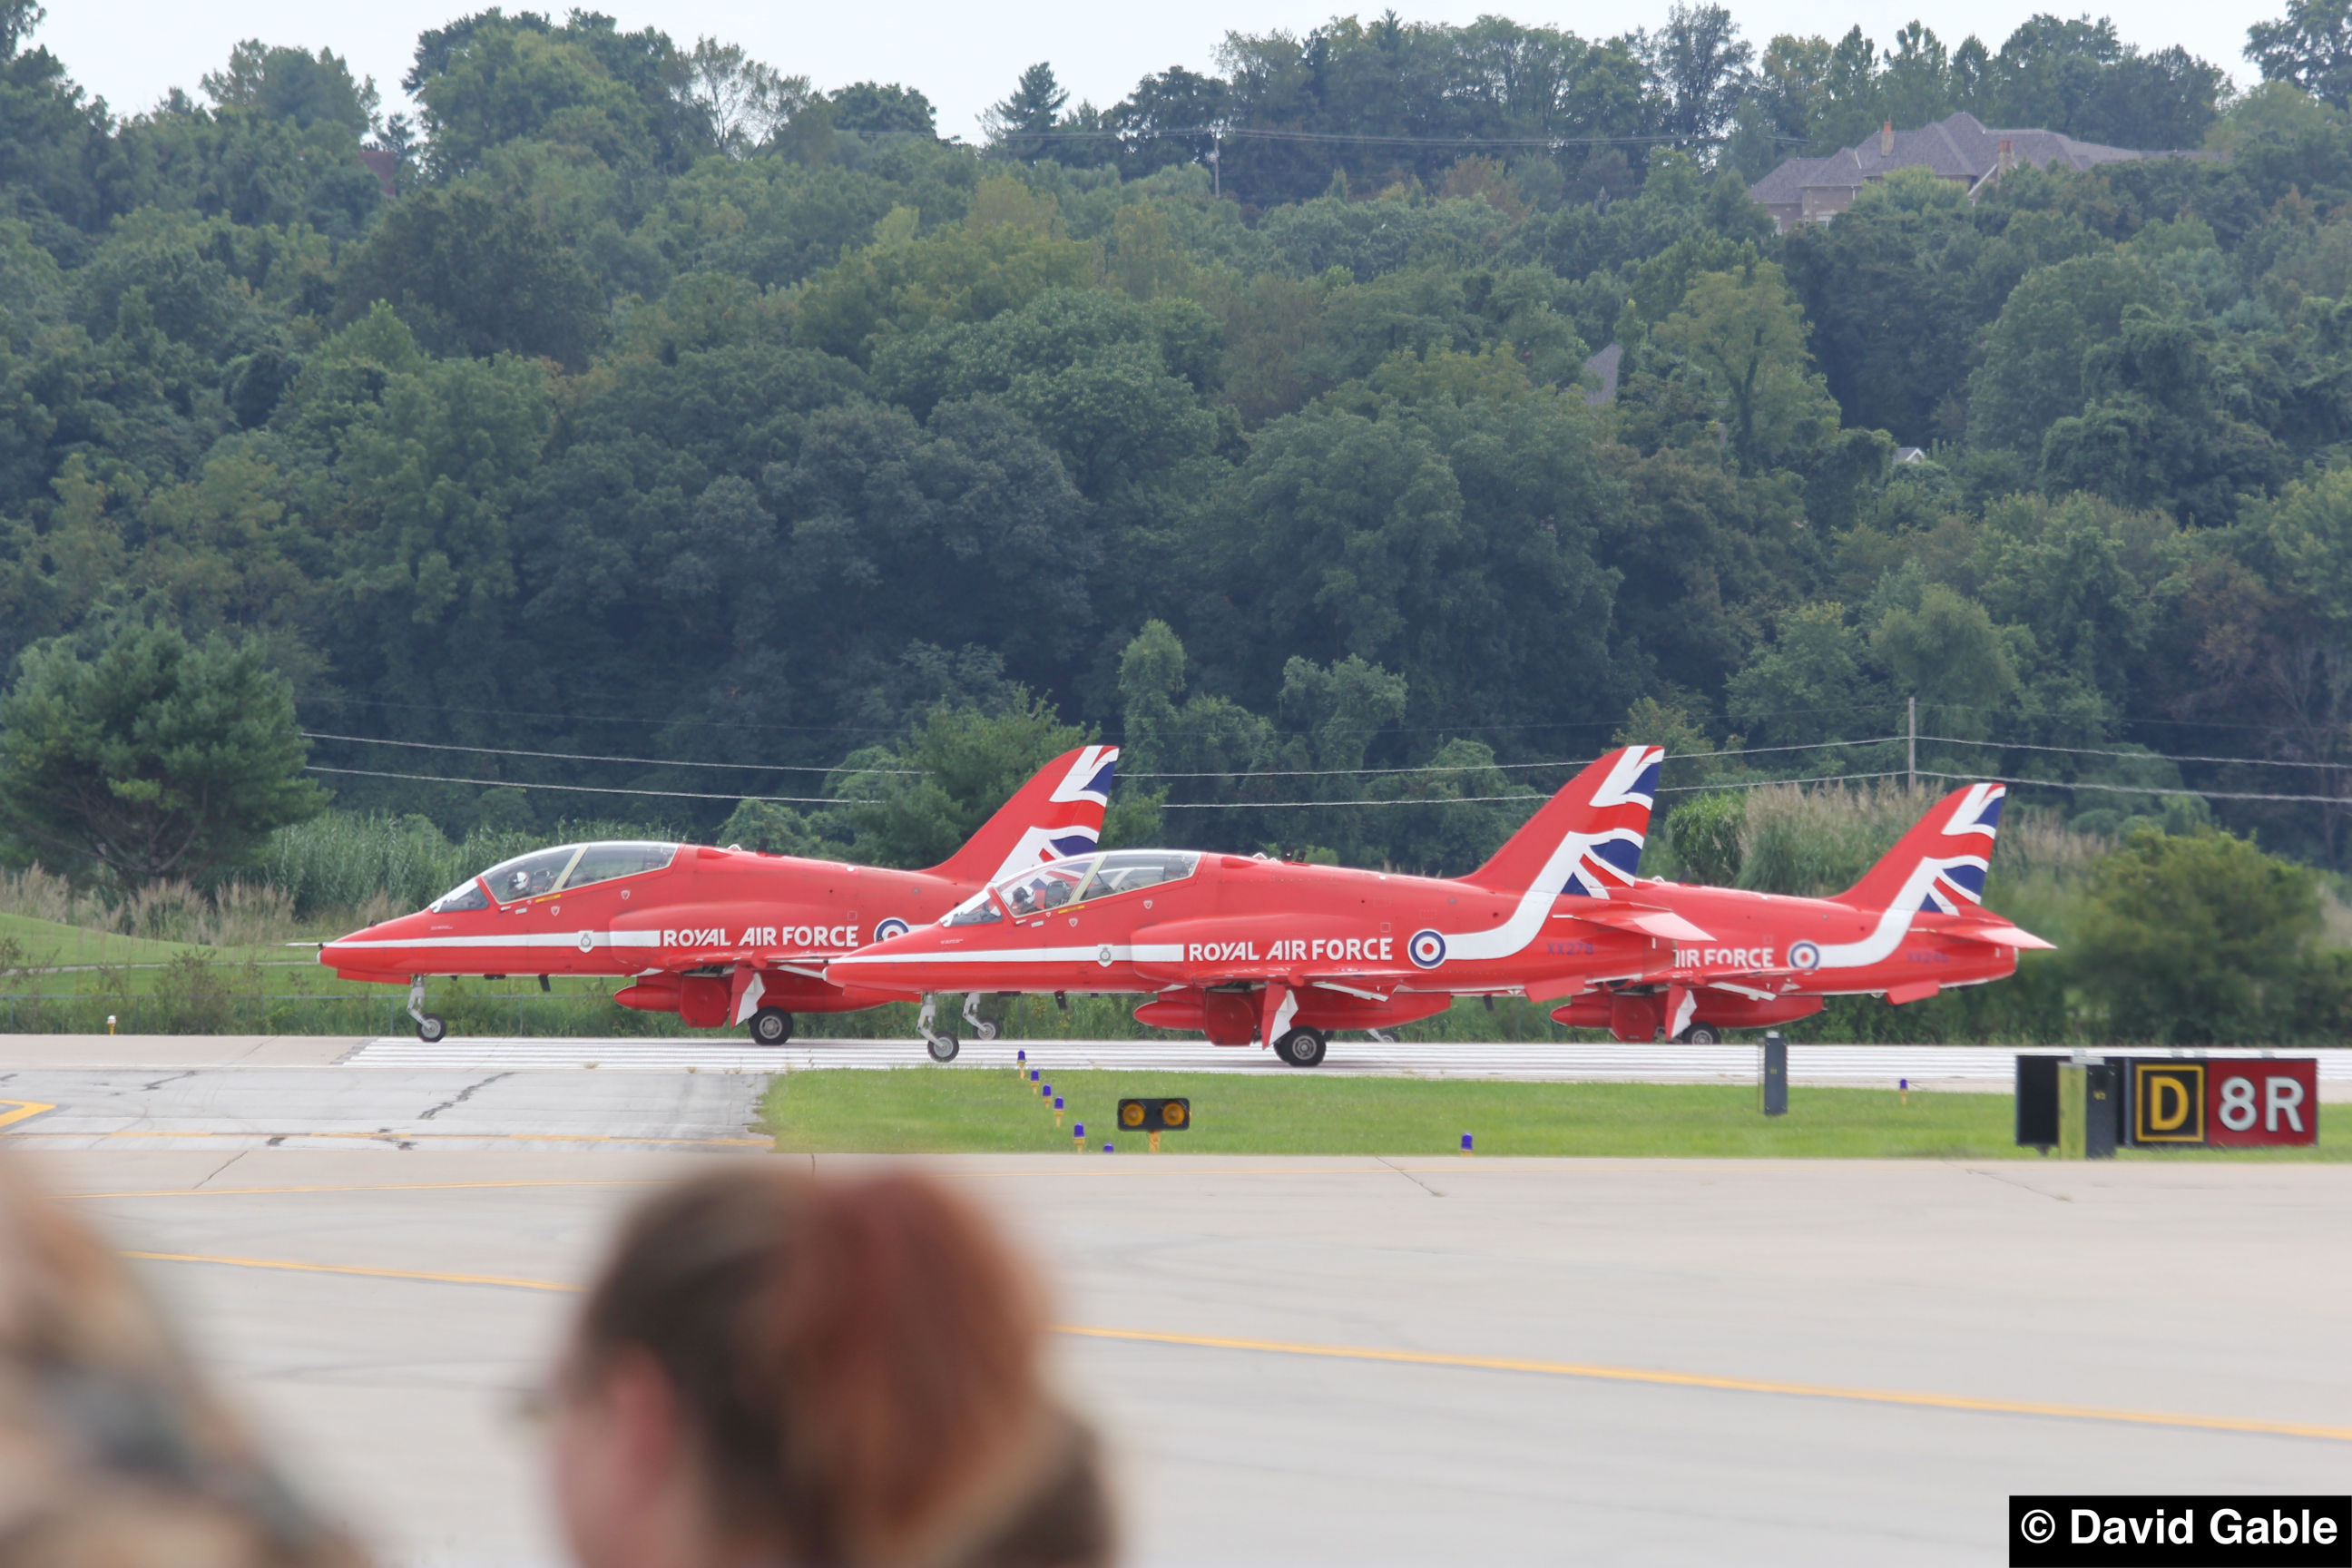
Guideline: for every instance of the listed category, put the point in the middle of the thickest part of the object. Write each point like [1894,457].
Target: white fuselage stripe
[516,939]
[1138,952]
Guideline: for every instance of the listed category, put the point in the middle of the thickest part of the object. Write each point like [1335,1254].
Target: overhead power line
[1765,783]
[576,789]
[2146,757]
[1498,767]
[2137,789]
[1338,805]
[591,757]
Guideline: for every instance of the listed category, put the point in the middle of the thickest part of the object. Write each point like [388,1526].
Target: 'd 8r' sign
[2223,1104]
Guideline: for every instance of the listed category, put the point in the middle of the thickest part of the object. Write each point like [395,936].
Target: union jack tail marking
[1588,838]
[1939,865]
[1055,815]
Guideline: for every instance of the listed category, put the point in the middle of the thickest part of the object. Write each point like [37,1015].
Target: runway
[314,1106]
[1983,1068]
[1298,1361]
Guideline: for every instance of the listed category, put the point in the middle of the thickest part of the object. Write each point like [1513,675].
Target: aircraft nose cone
[359,949]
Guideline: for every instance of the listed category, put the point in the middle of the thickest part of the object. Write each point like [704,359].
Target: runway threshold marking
[1652,1377]
[21,1110]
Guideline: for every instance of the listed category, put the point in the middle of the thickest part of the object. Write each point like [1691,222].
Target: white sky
[965,56]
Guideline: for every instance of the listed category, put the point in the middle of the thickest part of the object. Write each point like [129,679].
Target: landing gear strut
[429,1025]
[943,1046]
[981,1030]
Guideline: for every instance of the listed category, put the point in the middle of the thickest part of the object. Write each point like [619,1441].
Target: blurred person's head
[782,1369]
[1066,1520]
[113,1453]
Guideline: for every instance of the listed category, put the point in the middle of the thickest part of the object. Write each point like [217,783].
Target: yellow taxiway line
[358,1187]
[289,1266]
[1647,1377]
[21,1110]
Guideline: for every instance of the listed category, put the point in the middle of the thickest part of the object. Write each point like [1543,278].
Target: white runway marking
[1988,1065]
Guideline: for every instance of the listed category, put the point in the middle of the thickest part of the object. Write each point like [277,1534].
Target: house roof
[1957,147]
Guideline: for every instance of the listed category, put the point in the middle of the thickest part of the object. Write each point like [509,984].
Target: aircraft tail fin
[1587,839]
[1055,815]
[1939,865]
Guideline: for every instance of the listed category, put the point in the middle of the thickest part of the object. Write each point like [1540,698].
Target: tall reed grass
[337,872]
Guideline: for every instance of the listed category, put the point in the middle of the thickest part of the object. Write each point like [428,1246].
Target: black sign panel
[1155,1115]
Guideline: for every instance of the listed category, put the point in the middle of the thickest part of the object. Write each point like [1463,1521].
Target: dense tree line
[677,408]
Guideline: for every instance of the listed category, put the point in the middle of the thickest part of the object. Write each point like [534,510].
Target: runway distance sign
[2205,1102]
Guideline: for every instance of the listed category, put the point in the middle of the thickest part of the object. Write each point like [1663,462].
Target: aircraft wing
[1648,919]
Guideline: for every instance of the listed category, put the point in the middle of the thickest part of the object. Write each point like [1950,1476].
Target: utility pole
[1911,759]
[1216,164]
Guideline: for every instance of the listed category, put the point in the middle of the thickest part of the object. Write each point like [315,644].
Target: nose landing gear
[430,1027]
[943,1046]
[981,1030]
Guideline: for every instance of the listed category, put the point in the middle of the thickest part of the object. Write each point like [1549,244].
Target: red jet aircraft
[1914,925]
[1249,950]
[718,936]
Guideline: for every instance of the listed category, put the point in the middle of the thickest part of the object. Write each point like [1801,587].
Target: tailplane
[1587,839]
[1939,865]
[1055,815]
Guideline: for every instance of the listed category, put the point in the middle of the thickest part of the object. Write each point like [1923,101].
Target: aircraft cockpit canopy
[1037,889]
[556,870]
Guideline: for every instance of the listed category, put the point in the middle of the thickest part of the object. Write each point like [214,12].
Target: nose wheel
[942,1046]
[981,1030]
[430,1027]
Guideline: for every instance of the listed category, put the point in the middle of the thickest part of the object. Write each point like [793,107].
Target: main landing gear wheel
[1301,1048]
[771,1026]
[943,1048]
[1702,1035]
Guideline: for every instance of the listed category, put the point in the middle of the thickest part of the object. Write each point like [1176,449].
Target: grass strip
[919,1110]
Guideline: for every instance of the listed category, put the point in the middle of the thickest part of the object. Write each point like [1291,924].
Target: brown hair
[858,1360]
[111,1451]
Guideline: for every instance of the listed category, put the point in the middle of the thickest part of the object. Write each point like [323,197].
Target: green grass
[918,1111]
[50,943]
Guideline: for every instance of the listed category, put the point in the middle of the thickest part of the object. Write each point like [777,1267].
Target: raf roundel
[884,930]
[1804,955]
[1426,949]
